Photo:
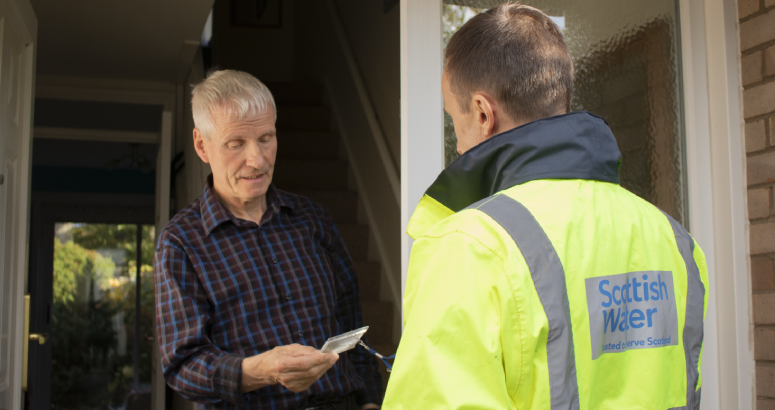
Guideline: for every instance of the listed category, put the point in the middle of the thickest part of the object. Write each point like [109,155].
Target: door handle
[39,337]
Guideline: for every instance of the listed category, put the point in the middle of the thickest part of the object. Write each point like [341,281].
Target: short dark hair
[517,54]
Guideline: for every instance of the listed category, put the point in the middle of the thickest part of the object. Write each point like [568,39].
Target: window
[627,70]
[102,315]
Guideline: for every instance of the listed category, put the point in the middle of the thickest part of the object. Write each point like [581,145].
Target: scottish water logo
[634,310]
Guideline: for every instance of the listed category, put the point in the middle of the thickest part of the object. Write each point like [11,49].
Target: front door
[16,72]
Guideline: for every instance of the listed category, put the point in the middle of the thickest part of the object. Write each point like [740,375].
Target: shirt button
[300,334]
[288,298]
[274,260]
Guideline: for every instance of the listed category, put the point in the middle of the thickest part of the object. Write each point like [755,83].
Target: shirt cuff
[227,379]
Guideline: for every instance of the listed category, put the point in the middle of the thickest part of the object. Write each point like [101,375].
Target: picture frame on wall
[257,13]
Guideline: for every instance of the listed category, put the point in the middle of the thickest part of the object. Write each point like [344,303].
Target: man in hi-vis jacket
[536,281]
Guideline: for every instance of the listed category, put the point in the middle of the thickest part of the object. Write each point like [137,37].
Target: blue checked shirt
[227,289]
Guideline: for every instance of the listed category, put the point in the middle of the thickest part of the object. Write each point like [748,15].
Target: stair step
[311,174]
[304,145]
[356,238]
[378,315]
[303,118]
[368,279]
[297,93]
[343,205]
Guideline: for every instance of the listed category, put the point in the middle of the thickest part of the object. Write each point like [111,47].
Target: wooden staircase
[308,164]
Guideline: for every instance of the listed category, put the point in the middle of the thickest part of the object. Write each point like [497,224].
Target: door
[17,27]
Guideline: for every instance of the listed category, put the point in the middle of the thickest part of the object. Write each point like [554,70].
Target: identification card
[343,342]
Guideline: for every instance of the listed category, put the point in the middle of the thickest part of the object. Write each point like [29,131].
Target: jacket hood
[577,145]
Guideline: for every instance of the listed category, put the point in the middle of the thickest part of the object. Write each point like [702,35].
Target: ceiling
[145,40]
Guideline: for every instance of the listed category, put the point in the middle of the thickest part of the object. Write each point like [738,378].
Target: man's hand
[294,366]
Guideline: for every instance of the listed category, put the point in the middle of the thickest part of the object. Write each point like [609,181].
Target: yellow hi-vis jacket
[537,282]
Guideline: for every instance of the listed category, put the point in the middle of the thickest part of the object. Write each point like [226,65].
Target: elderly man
[536,281]
[250,280]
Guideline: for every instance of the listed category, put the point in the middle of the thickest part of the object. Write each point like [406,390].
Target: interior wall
[320,58]
[374,38]
[265,52]
[195,172]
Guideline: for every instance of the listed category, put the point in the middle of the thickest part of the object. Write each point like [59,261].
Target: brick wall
[757,43]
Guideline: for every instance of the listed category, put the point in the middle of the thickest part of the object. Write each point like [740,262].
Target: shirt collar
[215,213]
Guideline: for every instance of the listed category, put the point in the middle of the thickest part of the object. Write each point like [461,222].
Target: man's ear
[486,118]
[199,146]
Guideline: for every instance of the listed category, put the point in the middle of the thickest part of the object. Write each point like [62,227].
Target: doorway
[100,170]
[83,285]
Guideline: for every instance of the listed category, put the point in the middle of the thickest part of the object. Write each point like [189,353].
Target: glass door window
[627,70]
[102,316]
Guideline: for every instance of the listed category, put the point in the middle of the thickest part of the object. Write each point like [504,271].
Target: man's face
[468,132]
[241,155]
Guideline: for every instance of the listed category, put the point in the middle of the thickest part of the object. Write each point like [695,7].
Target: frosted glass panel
[627,61]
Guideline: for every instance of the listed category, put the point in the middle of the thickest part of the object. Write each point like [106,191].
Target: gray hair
[236,94]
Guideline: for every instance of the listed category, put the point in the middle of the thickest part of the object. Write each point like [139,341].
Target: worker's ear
[200,146]
[486,117]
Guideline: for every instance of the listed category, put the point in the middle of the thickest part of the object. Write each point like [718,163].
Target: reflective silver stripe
[695,306]
[549,279]
[695,405]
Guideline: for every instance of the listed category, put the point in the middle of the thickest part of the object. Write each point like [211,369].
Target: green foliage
[82,325]
[75,267]
[452,18]
[94,306]
[121,236]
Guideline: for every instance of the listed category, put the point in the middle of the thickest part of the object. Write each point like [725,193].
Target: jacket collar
[577,145]
[214,213]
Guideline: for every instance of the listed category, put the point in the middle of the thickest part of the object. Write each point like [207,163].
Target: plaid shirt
[227,289]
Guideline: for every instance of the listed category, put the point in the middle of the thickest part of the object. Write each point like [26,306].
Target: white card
[343,342]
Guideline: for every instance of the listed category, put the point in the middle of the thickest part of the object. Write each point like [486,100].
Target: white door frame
[22,14]
[717,196]
[717,193]
[422,122]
